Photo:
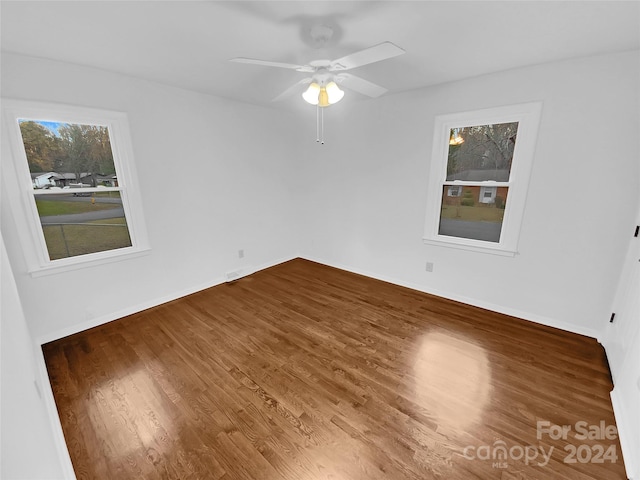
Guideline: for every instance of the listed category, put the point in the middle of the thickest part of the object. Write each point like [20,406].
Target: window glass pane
[482,152]
[65,154]
[476,214]
[79,223]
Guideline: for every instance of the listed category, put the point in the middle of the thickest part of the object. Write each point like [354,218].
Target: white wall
[27,448]
[365,201]
[215,177]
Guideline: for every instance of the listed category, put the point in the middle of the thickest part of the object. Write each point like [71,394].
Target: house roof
[64,175]
[72,176]
[55,175]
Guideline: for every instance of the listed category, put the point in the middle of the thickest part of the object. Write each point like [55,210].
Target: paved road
[70,198]
[83,217]
[486,231]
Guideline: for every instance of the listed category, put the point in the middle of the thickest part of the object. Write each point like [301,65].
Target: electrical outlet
[429,267]
[241,253]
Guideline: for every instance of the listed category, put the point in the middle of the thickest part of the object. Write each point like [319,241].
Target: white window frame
[528,117]
[20,185]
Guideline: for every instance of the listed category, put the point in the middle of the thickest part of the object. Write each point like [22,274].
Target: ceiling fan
[326,75]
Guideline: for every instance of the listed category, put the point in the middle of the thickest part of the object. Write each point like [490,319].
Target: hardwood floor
[305,372]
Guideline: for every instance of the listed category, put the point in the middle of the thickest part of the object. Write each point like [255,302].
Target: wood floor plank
[303,371]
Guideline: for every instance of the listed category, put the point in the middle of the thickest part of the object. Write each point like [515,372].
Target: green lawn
[475,214]
[64,207]
[97,236]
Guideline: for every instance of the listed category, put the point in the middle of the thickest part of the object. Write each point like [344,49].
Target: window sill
[473,248]
[54,269]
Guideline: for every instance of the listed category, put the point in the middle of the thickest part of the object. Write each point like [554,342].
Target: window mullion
[69,191]
[487,183]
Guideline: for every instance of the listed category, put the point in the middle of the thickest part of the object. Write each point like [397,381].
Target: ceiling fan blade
[292,89]
[265,63]
[369,55]
[360,85]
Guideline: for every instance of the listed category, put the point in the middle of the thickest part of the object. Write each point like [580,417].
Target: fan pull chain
[319,125]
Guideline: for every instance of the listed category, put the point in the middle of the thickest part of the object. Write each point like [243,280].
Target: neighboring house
[107,180]
[85,177]
[47,180]
[53,179]
[474,195]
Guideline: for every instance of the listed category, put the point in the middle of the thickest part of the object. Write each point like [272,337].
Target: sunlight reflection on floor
[453,380]
[137,419]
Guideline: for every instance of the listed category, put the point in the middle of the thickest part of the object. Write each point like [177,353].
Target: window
[454,191]
[487,195]
[80,203]
[478,178]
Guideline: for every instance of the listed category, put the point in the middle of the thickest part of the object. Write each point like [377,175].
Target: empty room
[301,240]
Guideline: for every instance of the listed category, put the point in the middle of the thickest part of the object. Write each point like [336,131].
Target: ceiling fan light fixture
[455,138]
[311,94]
[334,93]
[323,96]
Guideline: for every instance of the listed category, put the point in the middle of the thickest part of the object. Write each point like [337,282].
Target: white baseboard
[549,322]
[79,327]
[130,310]
[111,316]
[630,452]
[44,387]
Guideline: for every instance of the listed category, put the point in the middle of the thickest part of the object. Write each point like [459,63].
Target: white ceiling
[188,43]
